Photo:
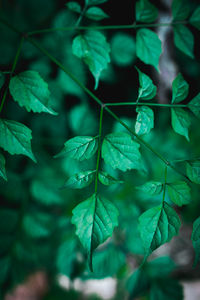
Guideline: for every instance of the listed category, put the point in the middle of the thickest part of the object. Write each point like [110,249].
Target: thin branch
[146,104]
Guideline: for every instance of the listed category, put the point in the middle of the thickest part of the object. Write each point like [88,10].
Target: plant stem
[164,186]
[99,149]
[147,104]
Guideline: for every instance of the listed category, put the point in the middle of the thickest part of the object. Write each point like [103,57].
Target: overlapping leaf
[80,180]
[107,179]
[147,89]
[151,187]
[145,120]
[179,192]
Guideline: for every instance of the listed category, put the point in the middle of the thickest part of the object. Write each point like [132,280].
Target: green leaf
[165,289]
[95,219]
[106,179]
[147,89]
[31,91]
[45,193]
[123,49]
[184,40]
[160,267]
[194,105]
[95,2]
[195,18]
[145,120]
[5,264]
[74,6]
[95,13]
[37,225]
[145,11]
[137,283]
[80,180]
[80,148]
[15,138]
[180,89]
[180,10]
[179,192]
[196,240]
[148,47]
[157,226]
[121,152]
[180,121]
[94,50]
[151,187]
[193,171]
[2,167]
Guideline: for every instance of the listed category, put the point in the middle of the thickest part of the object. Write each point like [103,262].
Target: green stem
[99,149]
[164,186]
[147,104]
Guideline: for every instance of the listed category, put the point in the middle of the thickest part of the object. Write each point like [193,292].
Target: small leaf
[74,6]
[145,11]
[148,47]
[106,179]
[184,40]
[151,187]
[193,171]
[195,18]
[180,10]
[95,2]
[80,180]
[121,152]
[194,105]
[147,89]
[196,240]
[31,91]
[179,193]
[180,89]
[166,288]
[157,226]
[96,13]
[180,121]
[15,138]
[95,219]
[145,120]
[2,167]
[79,147]
[94,50]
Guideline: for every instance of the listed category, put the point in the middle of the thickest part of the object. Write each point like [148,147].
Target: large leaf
[148,47]
[79,147]
[94,50]
[166,288]
[107,179]
[180,89]
[195,18]
[15,138]
[151,187]
[157,226]
[147,89]
[180,121]
[196,239]
[31,91]
[179,192]
[145,120]
[194,105]
[95,13]
[145,11]
[184,40]
[2,167]
[80,180]
[180,9]
[193,171]
[95,219]
[121,152]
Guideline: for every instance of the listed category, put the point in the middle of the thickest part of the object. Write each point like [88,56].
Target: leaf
[2,167]
[180,89]
[45,194]
[184,40]
[121,152]
[193,171]
[79,147]
[74,6]
[16,138]
[95,2]
[147,89]
[80,180]
[166,288]
[94,50]
[137,283]
[95,13]
[106,179]
[196,240]
[148,47]
[194,105]
[37,225]
[179,193]
[151,187]
[31,91]
[180,122]
[145,120]
[123,49]
[160,267]
[157,226]
[145,11]
[180,10]
[195,18]
[95,219]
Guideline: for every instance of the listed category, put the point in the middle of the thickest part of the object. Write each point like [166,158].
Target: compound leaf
[193,171]
[2,167]
[96,13]
[151,187]
[195,18]
[95,219]
[180,121]
[145,120]
[184,40]
[148,47]
[28,89]
[80,180]
[179,192]
[15,138]
[106,179]
[180,89]
[194,105]
[196,239]
[145,11]
[147,89]
[121,152]
[180,10]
